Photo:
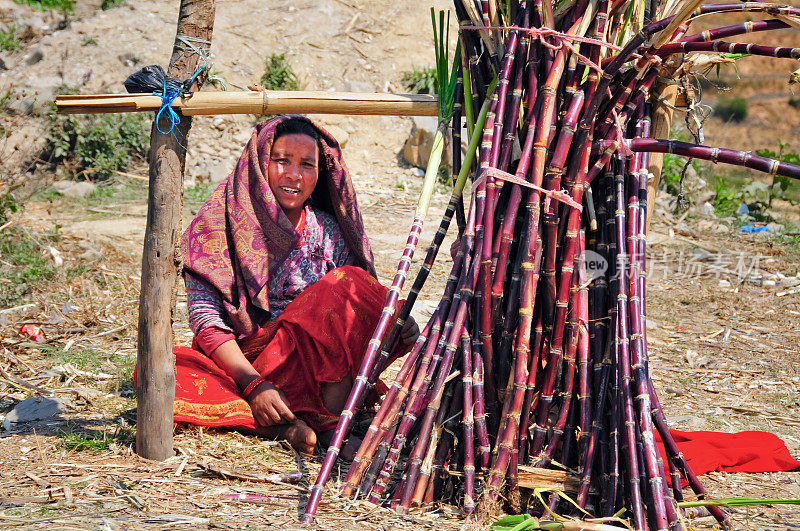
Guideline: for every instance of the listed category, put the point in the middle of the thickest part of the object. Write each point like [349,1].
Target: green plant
[96,442]
[197,194]
[671,172]
[89,41]
[278,74]
[7,39]
[731,110]
[66,6]
[73,272]
[109,4]
[4,99]
[22,265]
[96,146]
[8,205]
[421,80]
[86,359]
[725,200]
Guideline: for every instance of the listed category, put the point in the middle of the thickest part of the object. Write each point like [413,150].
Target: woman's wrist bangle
[247,391]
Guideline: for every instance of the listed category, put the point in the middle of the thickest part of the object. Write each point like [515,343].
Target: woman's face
[292,172]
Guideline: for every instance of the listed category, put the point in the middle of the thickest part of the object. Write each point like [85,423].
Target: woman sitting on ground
[281,290]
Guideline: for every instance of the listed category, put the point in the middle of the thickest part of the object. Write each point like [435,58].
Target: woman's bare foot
[348,451]
[298,434]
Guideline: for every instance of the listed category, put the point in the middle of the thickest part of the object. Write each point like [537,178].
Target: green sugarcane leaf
[628,17]
[739,502]
[511,520]
[468,101]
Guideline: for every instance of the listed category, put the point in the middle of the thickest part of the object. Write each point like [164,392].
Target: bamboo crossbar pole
[257,102]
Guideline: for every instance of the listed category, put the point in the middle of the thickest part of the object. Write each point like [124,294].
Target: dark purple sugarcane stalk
[638,352]
[611,484]
[485,197]
[729,47]
[424,439]
[467,286]
[746,7]
[453,331]
[444,450]
[675,479]
[388,411]
[559,320]
[714,154]
[481,426]
[468,424]
[426,468]
[486,316]
[644,180]
[416,403]
[531,391]
[584,357]
[375,466]
[569,358]
[751,26]
[361,383]
[623,358]
[593,437]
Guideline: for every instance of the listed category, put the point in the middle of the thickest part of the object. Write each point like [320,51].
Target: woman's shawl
[240,235]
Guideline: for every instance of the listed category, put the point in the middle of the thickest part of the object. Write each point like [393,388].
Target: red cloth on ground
[320,337]
[746,451]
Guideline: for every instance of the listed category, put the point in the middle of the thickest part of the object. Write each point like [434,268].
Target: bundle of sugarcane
[537,354]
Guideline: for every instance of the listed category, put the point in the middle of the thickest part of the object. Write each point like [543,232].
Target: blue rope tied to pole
[168,95]
[170,92]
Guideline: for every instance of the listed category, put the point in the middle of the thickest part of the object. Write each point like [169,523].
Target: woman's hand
[410,331]
[267,402]
[269,405]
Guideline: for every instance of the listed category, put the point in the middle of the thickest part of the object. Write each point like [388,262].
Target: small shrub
[421,80]
[7,39]
[96,146]
[726,200]
[110,4]
[8,206]
[671,171]
[731,110]
[23,263]
[66,6]
[794,102]
[278,74]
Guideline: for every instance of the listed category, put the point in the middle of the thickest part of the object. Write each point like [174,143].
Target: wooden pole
[258,102]
[155,388]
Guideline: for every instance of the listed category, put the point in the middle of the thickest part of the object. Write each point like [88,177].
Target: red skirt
[319,338]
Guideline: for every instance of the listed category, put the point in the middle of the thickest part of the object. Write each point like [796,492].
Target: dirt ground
[723,314]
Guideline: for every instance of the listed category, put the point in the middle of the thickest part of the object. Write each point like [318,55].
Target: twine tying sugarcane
[559,195]
[563,41]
